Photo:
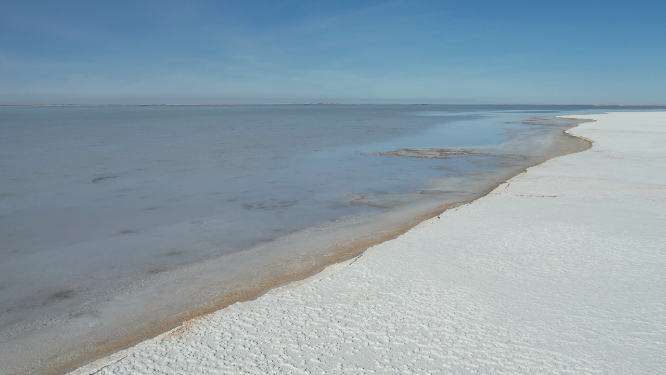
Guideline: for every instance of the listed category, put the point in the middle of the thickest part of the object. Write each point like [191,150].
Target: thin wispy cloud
[384,49]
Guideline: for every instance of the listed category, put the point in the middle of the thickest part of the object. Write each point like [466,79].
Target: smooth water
[93,199]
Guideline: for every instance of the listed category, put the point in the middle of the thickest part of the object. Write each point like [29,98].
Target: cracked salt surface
[562,271]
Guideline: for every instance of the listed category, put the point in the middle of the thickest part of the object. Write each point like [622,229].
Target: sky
[416,51]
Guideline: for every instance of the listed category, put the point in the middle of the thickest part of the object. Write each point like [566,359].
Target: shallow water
[96,200]
[84,187]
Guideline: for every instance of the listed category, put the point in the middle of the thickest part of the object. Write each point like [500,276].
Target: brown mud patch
[544,121]
[428,153]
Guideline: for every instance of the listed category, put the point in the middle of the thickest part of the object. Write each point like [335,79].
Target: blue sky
[510,51]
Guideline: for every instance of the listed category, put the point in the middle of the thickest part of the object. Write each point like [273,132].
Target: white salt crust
[562,270]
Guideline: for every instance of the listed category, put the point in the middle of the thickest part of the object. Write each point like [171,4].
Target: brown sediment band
[65,362]
[244,293]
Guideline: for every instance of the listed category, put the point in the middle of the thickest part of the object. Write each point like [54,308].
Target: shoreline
[349,253]
[311,266]
[564,290]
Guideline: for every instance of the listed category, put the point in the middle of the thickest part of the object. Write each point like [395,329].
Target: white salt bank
[561,270]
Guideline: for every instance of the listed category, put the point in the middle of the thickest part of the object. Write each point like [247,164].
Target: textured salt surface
[560,270]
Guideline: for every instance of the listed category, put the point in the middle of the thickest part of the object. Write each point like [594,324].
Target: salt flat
[561,270]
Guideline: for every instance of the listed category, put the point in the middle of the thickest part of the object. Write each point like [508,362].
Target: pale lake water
[95,199]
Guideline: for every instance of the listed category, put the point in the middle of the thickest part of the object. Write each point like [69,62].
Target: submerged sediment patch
[427,153]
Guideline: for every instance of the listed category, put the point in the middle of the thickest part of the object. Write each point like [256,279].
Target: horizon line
[327,103]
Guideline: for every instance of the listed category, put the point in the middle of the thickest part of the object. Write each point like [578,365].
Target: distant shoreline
[294,104]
